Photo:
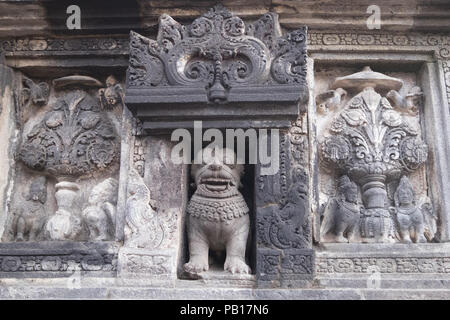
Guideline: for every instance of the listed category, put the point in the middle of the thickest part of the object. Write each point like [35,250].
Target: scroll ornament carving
[218,51]
[146,227]
[372,143]
[285,225]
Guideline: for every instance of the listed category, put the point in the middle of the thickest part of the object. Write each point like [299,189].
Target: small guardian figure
[411,218]
[31,218]
[341,214]
[100,214]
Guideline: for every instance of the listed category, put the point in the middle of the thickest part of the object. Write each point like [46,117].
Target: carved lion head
[219,169]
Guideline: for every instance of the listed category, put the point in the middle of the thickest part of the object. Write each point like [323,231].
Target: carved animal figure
[99,215]
[341,214]
[112,94]
[217,213]
[410,218]
[330,100]
[410,103]
[32,216]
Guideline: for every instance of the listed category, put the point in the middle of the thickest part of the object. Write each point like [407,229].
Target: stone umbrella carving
[74,139]
[372,143]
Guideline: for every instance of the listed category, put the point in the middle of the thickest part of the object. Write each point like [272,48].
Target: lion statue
[217,215]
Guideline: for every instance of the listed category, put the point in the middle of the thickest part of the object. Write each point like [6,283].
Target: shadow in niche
[217,259]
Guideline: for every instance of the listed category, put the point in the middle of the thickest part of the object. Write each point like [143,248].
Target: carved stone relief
[218,217]
[414,221]
[145,226]
[34,93]
[373,143]
[30,218]
[284,235]
[100,214]
[216,59]
[71,141]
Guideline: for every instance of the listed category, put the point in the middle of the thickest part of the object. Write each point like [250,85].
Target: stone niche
[228,74]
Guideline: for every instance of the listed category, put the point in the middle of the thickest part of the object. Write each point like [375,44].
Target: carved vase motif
[74,139]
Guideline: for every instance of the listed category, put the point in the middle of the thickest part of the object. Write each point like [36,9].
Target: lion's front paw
[196,265]
[236,265]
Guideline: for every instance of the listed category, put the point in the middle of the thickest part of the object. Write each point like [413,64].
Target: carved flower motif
[33,156]
[101,153]
[392,118]
[414,152]
[338,125]
[354,117]
[336,149]
[234,26]
[89,120]
[54,119]
[200,27]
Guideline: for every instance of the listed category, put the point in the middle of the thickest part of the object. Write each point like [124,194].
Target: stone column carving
[284,254]
[373,143]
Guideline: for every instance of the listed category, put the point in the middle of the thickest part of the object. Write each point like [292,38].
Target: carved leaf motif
[379,139]
[354,117]
[74,138]
[392,118]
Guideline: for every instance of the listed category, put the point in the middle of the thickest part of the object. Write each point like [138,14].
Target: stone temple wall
[356,119]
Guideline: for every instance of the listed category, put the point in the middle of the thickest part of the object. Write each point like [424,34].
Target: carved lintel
[217,59]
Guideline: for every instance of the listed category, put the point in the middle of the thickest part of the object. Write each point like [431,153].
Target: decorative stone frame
[429,54]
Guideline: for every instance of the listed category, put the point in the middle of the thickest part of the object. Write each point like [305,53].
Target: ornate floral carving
[372,142]
[385,264]
[218,51]
[73,139]
[282,199]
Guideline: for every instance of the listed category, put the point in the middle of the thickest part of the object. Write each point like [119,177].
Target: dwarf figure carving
[411,218]
[31,218]
[341,214]
[99,215]
[217,213]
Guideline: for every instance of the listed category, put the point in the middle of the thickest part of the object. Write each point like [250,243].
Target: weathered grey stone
[372,143]
[287,210]
[218,217]
[217,66]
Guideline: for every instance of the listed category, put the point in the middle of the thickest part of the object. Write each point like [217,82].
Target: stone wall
[90,189]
